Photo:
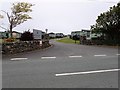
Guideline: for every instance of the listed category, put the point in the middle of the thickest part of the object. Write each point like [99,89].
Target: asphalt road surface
[62,66]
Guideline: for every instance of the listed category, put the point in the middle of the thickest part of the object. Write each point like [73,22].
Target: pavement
[62,66]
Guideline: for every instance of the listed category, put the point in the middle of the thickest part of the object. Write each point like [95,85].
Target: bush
[111,42]
[26,36]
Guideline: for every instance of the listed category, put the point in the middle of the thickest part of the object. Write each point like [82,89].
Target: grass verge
[1,41]
[68,40]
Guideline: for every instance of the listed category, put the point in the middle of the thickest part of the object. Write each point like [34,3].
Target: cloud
[61,1]
[106,1]
[109,1]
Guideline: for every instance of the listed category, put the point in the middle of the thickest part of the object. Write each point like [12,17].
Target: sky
[59,16]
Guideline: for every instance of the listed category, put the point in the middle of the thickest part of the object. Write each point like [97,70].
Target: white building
[38,34]
[86,33]
[52,35]
[59,35]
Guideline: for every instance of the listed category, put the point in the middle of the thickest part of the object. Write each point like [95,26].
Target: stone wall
[23,46]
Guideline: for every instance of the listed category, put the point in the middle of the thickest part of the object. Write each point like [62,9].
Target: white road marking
[74,56]
[18,58]
[48,57]
[118,54]
[87,72]
[100,55]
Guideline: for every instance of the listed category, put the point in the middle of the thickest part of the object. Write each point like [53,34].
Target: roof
[86,30]
[16,32]
[51,33]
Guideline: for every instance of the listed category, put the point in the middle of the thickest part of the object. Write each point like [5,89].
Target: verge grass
[1,41]
[68,40]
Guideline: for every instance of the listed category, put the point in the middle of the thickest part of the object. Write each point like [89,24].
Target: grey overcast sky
[59,15]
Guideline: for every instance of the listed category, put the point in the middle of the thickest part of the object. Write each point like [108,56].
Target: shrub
[26,36]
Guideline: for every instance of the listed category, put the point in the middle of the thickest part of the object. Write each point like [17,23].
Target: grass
[1,41]
[68,40]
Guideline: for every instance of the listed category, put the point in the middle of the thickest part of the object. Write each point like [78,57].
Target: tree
[108,23]
[26,36]
[1,17]
[18,14]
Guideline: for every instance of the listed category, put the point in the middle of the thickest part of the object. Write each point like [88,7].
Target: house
[73,33]
[16,35]
[95,35]
[77,33]
[59,35]
[90,35]
[52,35]
[3,35]
[82,32]
[86,33]
[6,34]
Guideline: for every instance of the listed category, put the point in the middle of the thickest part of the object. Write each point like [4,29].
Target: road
[62,66]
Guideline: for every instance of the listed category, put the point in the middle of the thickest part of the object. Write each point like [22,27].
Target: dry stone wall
[23,46]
